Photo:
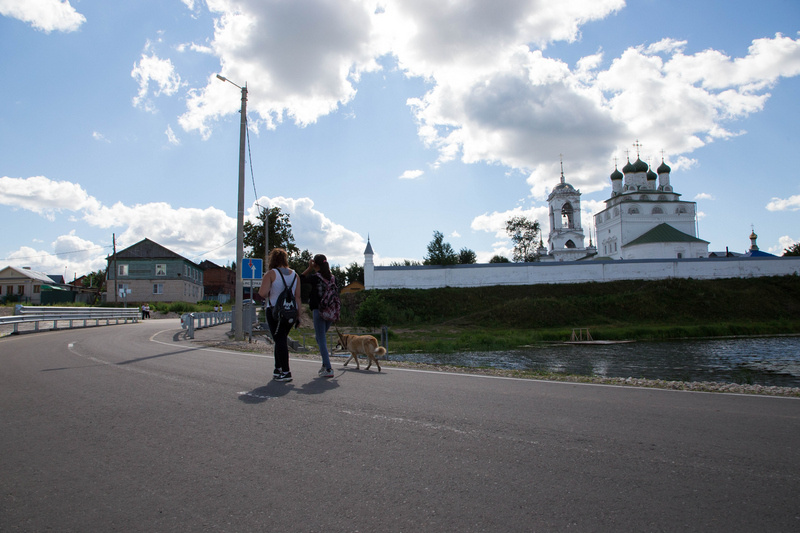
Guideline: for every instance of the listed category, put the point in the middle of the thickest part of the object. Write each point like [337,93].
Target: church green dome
[663,168]
[616,175]
[640,166]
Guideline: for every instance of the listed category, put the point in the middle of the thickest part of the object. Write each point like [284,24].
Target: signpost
[252,272]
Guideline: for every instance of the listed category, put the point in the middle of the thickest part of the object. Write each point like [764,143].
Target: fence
[193,321]
[66,317]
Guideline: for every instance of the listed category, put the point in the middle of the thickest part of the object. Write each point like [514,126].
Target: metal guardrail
[69,315]
[193,321]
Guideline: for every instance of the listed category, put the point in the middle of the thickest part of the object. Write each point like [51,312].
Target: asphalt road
[130,428]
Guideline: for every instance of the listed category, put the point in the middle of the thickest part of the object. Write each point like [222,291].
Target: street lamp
[238,326]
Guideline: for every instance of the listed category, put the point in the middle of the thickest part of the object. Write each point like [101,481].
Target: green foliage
[280,234]
[354,273]
[499,259]
[373,311]
[440,252]
[405,263]
[613,310]
[467,257]
[524,233]
[793,250]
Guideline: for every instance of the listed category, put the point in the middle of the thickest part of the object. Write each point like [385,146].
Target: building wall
[429,277]
[181,280]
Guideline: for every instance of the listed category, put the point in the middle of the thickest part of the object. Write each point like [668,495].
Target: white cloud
[159,71]
[495,222]
[97,136]
[315,232]
[171,137]
[45,15]
[299,59]
[789,204]
[411,174]
[44,196]
[703,196]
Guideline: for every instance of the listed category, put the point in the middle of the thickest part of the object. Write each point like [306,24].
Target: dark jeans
[280,335]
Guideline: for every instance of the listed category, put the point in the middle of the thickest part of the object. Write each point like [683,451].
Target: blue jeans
[320,330]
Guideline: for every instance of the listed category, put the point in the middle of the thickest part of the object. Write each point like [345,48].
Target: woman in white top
[272,284]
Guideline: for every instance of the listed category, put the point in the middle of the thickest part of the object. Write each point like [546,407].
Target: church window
[569,244]
[644,197]
[662,197]
[616,211]
[680,210]
[658,211]
[567,216]
[633,210]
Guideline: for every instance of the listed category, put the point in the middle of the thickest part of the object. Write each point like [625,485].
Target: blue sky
[384,119]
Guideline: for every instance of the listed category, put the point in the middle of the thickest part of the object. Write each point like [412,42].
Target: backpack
[329,304]
[285,308]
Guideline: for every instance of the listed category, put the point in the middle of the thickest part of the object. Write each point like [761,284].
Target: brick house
[219,282]
[149,272]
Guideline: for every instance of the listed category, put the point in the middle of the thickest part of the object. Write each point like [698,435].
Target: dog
[361,345]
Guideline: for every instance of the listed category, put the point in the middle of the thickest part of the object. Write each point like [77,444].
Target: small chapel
[643,219]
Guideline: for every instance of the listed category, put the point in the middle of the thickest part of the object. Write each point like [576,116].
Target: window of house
[158,288]
[20,289]
[122,270]
[161,269]
[37,289]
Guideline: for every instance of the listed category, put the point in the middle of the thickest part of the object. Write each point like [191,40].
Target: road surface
[133,428]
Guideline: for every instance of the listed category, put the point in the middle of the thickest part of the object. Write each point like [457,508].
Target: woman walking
[278,277]
[319,275]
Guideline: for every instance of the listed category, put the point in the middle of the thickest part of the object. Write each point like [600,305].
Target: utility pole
[238,327]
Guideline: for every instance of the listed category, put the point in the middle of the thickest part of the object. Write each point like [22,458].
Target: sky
[384,120]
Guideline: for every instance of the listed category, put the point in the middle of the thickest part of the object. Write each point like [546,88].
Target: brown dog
[361,345]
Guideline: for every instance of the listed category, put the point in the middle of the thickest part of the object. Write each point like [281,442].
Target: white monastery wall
[429,277]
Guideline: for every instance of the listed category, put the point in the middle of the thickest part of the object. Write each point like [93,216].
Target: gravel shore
[259,346]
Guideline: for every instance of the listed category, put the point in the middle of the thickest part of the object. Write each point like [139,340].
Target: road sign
[252,268]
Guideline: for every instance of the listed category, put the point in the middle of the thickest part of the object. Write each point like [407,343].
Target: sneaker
[285,376]
[326,373]
[276,373]
[321,371]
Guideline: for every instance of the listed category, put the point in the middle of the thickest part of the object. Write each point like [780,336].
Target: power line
[31,257]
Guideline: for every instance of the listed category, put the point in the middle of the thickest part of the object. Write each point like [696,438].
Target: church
[643,219]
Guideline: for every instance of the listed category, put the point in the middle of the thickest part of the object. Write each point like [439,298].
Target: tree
[792,250]
[354,273]
[95,280]
[280,234]
[299,261]
[499,259]
[440,252]
[524,233]
[467,257]
[405,263]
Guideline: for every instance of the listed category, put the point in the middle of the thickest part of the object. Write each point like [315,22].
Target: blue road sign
[252,268]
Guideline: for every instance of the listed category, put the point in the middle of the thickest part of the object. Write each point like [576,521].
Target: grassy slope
[506,316]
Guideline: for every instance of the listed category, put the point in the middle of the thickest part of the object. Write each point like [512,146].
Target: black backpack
[285,308]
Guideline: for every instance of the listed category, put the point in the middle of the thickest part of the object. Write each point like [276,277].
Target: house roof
[24,272]
[147,249]
[661,234]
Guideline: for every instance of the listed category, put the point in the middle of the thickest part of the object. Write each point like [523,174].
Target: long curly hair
[278,258]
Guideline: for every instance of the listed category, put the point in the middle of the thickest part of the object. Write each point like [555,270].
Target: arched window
[680,210]
[658,211]
[633,210]
[569,244]
[567,216]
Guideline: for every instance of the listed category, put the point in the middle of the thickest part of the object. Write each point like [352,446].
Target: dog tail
[380,351]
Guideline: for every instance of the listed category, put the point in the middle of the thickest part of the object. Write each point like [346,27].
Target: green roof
[663,233]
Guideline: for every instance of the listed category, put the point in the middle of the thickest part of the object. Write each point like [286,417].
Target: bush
[372,312]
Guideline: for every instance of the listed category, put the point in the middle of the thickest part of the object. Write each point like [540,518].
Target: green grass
[506,317]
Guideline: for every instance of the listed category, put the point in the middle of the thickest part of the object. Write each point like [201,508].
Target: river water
[768,361]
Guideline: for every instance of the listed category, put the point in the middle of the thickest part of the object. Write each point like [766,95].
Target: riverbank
[222,340]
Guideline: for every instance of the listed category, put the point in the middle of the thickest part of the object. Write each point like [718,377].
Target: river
[768,361]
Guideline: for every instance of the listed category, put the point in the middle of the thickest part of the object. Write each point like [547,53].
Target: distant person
[147,310]
[319,275]
[278,277]
[144,312]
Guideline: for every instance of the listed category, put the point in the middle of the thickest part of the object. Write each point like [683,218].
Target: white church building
[644,232]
